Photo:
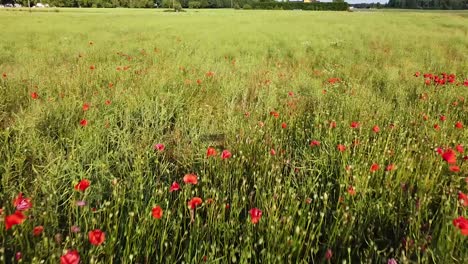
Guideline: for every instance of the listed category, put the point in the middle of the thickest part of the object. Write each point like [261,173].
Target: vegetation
[429,4]
[230,136]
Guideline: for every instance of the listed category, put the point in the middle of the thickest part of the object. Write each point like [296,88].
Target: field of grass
[313,137]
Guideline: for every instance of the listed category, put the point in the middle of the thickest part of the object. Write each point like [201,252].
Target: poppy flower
[459,125]
[37,231]
[226,154]
[96,237]
[159,147]
[80,203]
[283,125]
[454,168]
[75,229]
[21,203]
[157,212]
[174,187]
[351,191]
[463,198]
[442,118]
[465,83]
[376,129]
[71,257]
[82,185]
[462,224]
[210,74]
[272,152]
[199,82]
[449,156]
[261,124]
[328,254]
[14,219]
[85,107]
[332,124]
[4,75]
[190,179]
[274,114]
[417,74]
[194,202]
[18,256]
[314,143]
[425,117]
[83,122]
[247,114]
[374,167]
[255,215]
[427,82]
[92,67]
[390,167]
[34,95]
[108,102]
[341,148]
[436,127]
[290,93]
[334,80]
[210,152]
[354,124]
[459,148]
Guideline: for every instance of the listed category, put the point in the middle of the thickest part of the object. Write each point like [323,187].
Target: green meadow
[304,137]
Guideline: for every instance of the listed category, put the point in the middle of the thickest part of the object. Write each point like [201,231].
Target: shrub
[247,6]
[336,6]
[194,4]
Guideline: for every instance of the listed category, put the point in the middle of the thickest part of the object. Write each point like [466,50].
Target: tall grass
[215,79]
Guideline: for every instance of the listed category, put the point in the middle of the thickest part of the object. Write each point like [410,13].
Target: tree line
[428,4]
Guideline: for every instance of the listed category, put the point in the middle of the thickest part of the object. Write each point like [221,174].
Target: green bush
[194,4]
[177,6]
[247,6]
[337,6]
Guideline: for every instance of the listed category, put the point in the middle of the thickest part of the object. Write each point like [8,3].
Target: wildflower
[14,219]
[71,257]
[83,122]
[442,118]
[96,237]
[157,212]
[37,231]
[314,143]
[82,185]
[390,167]
[454,168]
[376,129]
[417,74]
[194,202]
[462,224]
[210,152]
[463,198]
[332,124]
[274,114]
[159,147]
[80,203]
[92,67]
[328,254]
[354,124]
[436,127]
[341,148]
[459,125]
[75,229]
[351,191]
[190,179]
[449,156]
[226,154]
[374,167]
[34,95]
[174,187]
[272,152]
[283,125]
[22,204]
[85,107]
[255,215]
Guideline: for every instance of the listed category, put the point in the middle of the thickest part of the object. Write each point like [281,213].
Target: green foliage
[246,6]
[194,4]
[335,6]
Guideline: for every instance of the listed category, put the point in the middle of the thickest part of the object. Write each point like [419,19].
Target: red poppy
[85,107]
[84,122]
[226,154]
[334,80]
[72,257]
[376,129]
[328,254]
[274,114]
[459,148]
[211,152]
[157,212]
[255,215]
[194,202]
[92,67]
[18,256]
[417,74]
[466,82]
[247,114]
[37,231]
[34,95]
[82,185]
[210,74]
[425,117]
[332,124]
[283,125]
[22,204]
[341,148]
[14,219]
[351,191]
[199,81]
[427,82]
[436,126]
[454,168]
[462,224]
[449,156]
[463,198]
[96,237]
[159,147]
[272,152]
[174,187]
[4,75]
[459,125]
[374,167]
[290,93]
[354,124]
[442,118]
[314,143]
[190,179]
[390,167]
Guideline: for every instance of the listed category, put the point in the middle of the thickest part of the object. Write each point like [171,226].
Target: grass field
[225,136]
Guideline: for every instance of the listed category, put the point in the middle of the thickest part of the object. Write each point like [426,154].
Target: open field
[225,136]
